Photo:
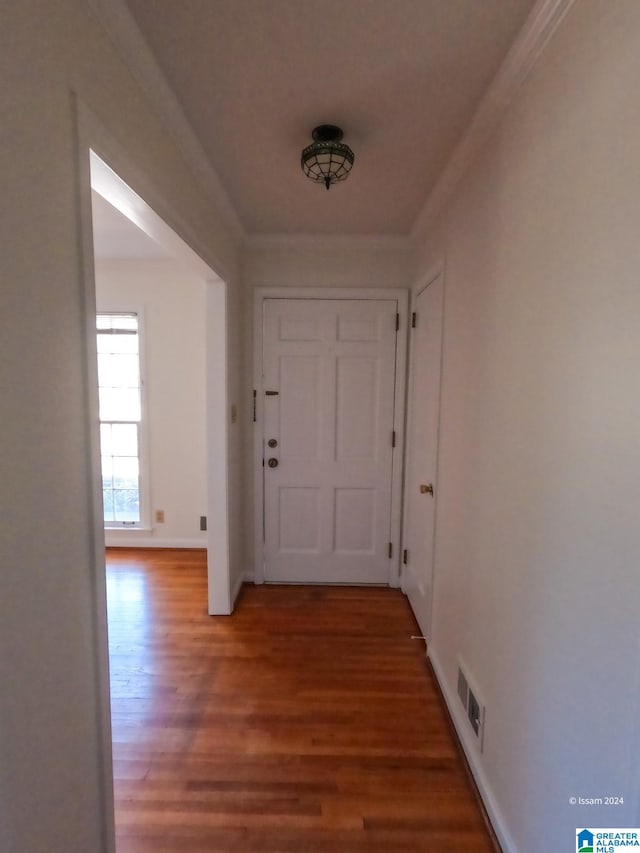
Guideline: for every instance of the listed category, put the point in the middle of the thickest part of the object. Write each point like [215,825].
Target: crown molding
[125,34]
[539,28]
[335,242]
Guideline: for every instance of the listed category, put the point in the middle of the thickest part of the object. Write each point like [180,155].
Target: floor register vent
[472,704]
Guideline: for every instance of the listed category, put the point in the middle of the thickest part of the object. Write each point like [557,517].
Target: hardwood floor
[307,721]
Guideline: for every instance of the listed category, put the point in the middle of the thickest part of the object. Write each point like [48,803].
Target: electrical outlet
[159,516]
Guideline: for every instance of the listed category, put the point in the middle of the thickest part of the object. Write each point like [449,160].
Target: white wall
[171,305]
[54,763]
[296,261]
[538,523]
[240,434]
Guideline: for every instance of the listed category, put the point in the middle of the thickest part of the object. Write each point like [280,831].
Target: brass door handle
[426,490]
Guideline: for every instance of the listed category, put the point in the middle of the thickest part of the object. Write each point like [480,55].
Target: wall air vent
[473,707]
[474,712]
[463,688]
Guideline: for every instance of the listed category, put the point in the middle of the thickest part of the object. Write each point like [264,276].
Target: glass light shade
[327,160]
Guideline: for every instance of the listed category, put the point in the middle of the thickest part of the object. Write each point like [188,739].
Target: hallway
[307,721]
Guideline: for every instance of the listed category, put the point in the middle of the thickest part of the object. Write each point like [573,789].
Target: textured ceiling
[401,77]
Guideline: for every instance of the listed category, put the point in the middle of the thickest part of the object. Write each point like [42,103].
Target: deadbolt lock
[426,489]
[273,442]
[273,462]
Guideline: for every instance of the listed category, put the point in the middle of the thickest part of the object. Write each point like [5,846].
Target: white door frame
[402,297]
[435,272]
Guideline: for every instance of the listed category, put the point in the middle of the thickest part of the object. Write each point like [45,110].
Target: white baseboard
[235,592]
[486,792]
[117,540]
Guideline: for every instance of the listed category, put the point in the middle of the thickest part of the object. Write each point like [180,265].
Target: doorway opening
[97,178]
[191,295]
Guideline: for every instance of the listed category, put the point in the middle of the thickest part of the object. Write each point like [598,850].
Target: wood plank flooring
[307,721]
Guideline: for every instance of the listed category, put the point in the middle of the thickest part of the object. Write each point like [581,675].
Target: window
[120,396]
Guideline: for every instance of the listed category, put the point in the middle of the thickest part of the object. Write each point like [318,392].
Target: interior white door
[422,450]
[328,380]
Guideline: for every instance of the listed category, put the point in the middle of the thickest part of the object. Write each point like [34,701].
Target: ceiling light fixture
[327,160]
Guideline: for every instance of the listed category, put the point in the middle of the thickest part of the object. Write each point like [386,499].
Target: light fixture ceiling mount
[327,160]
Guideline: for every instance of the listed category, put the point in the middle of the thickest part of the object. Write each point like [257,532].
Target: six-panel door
[330,367]
[422,450]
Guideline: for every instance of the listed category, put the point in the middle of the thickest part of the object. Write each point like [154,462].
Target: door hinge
[405,557]
[414,320]
[255,397]
[397,322]
[390,550]
[393,438]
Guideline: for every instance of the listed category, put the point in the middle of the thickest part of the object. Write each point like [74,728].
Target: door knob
[273,442]
[273,462]
[426,490]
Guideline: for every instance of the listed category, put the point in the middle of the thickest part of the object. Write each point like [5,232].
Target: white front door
[328,381]
[422,450]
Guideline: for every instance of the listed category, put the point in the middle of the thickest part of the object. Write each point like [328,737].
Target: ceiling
[116,237]
[401,77]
